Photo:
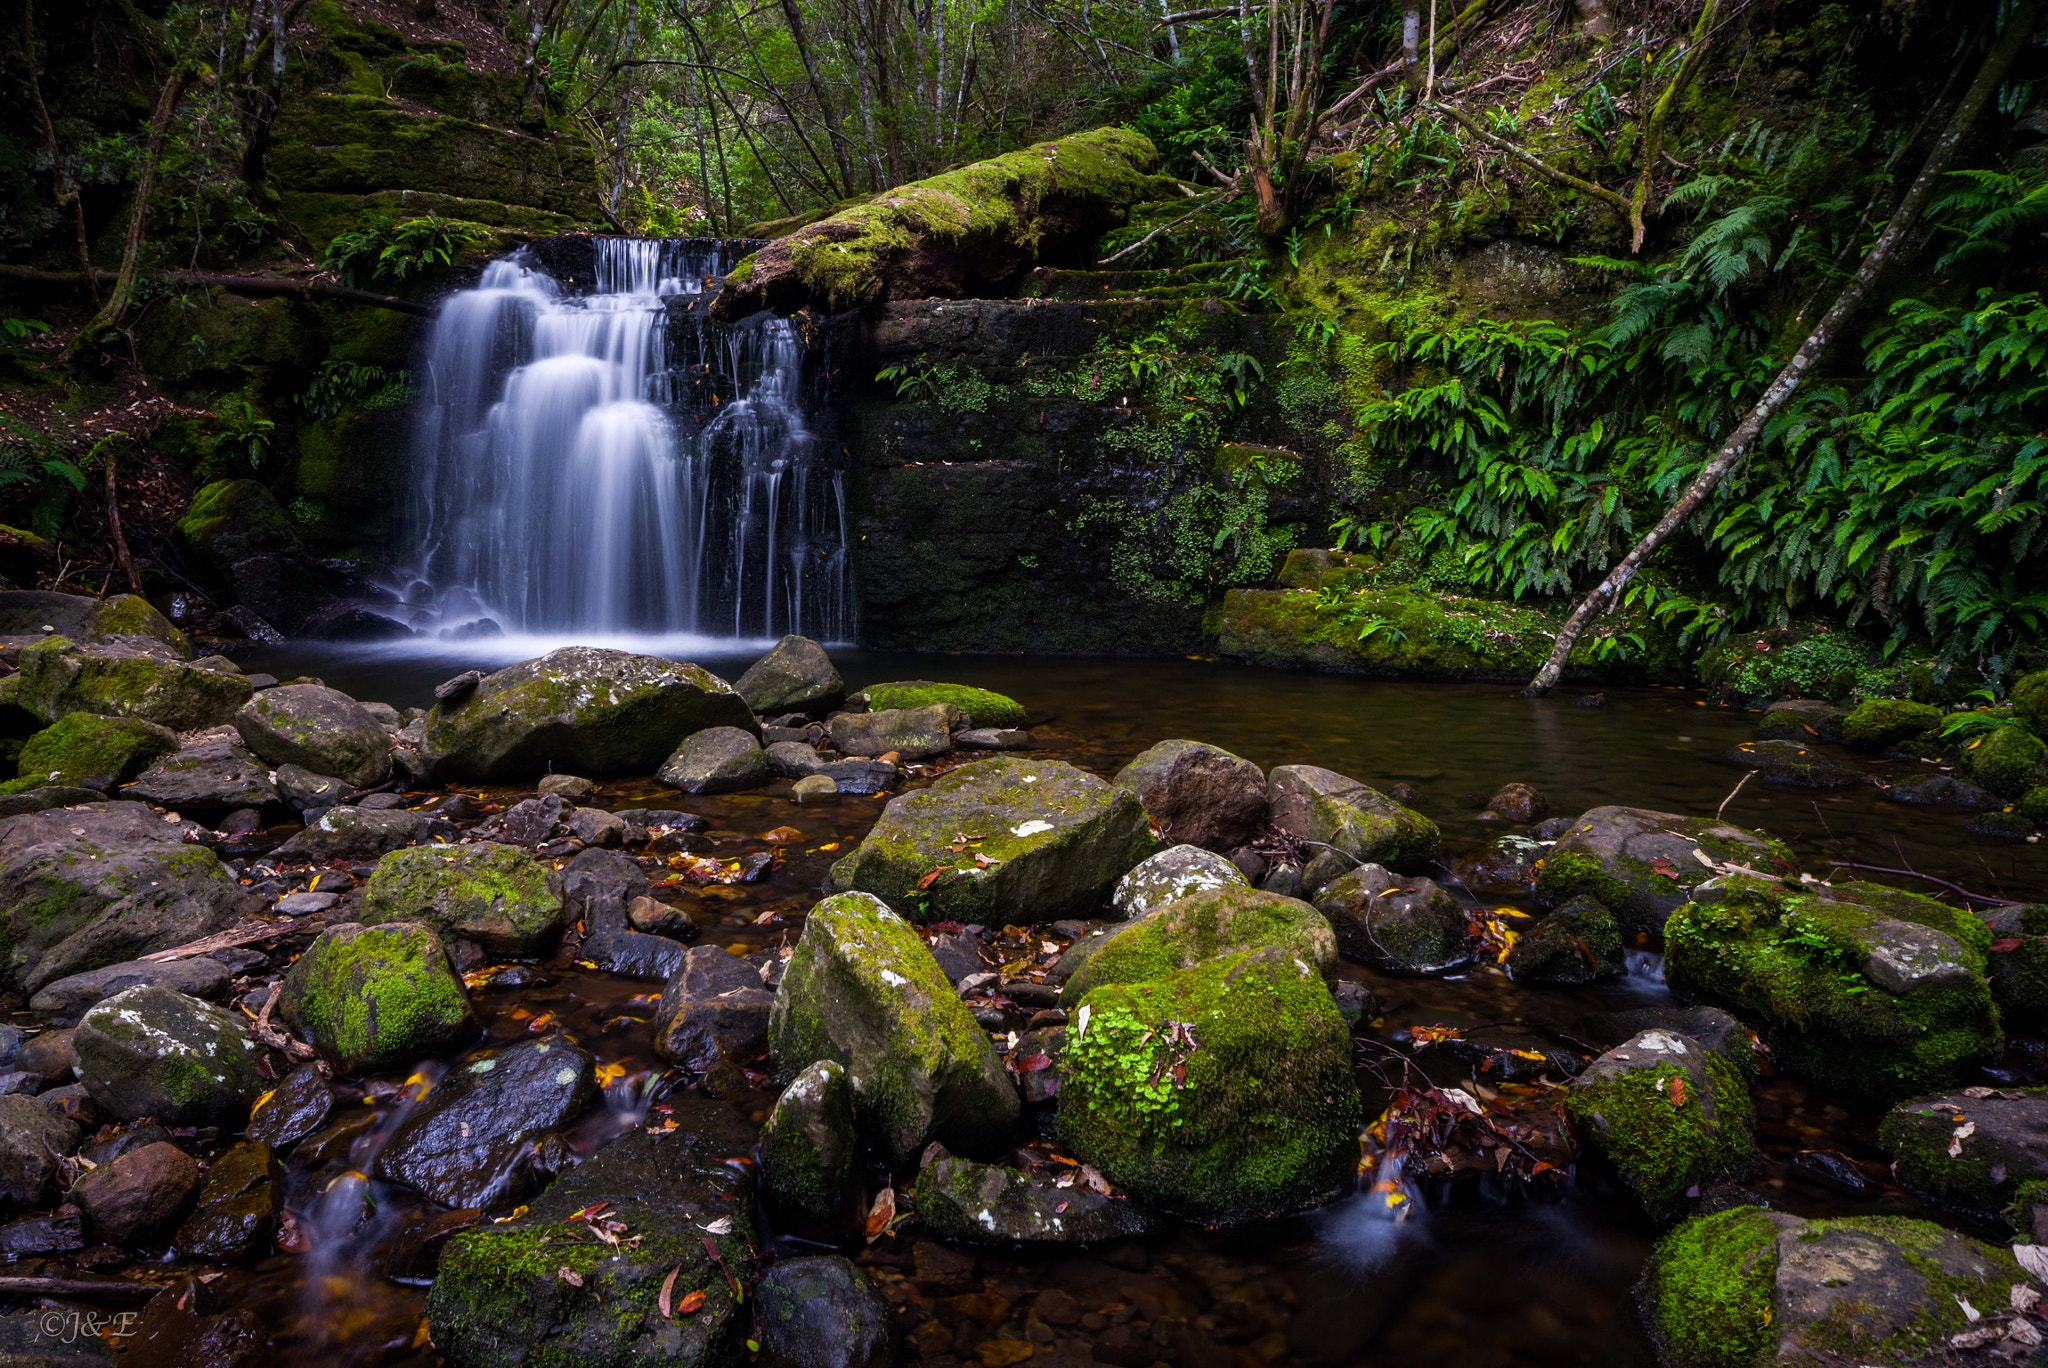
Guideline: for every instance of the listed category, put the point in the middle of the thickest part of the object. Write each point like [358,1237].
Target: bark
[1608,592]
[114,518]
[60,184]
[257,287]
[116,308]
[1660,113]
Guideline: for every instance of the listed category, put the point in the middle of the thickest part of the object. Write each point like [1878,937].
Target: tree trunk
[114,519]
[1608,592]
[1653,127]
[111,313]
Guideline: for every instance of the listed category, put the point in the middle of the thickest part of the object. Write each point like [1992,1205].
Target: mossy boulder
[1801,719]
[964,1202]
[85,750]
[1877,723]
[1176,872]
[796,676]
[496,895]
[808,1147]
[2019,963]
[151,1052]
[1641,865]
[232,520]
[1668,1113]
[1322,805]
[2006,760]
[1748,1288]
[1868,989]
[1406,925]
[979,707]
[1199,794]
[370,998]
[2029,699]
[126,677]
[1220,1094]
[1970,1154]
[822,1311]
[864,991]
[1576,944]
[316,728]
[1199,927]
[1044,839]
[32,612]
[579,710]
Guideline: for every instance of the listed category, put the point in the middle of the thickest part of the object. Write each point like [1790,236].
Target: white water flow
[612,464]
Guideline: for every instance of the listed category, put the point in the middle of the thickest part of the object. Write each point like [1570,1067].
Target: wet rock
[1940,791]
[180,1328]
[1324,806]
[45,798]
[1972,1154]
[52,1055]
[808,1146]
[1802,720]
[47,1232]
[1202,926]
[580,709]
[959,955]
[417,1253]
[2019,963]
[1522,804]
[501,1298]
[1710,1026]
[307,791]
[1641,864]
[125,677]
[793,760]
[317,728]
[823,1312]
[994,739]
[81,750]
[371,998]
[1511,1052]
[712,1008]
[238,1206]
[970,1203]
[978,707]
[1355,1003]
[466,1143]
[716,760]
[1577,944]
[305,904]
[300,1105]
[1872,990]
[862,990]
[2003,826]
[1504,869]
[31,1142]
[574,787]
[1046,839]
[1878,723]
[597,828]
[1173,873]
[814,789]
[63,1001]
[353,834]
[495,895]
[1793,764]
[152,1052]
[138,1193]
[1668,1113]
[210,772]
[658,918]
[794,677]
[1221,1094]
[1199,794]
[631,954]
[910,733]
[101,884]
[859,778]
[1283,880]
[1408,925]
[603,883]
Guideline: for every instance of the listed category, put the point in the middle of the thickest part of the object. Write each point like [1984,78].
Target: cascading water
[612,464]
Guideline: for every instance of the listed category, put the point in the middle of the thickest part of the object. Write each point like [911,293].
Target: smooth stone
[1941,791]
[815,788]
[571,786]
[151,1052]
[1409,925]
[318,728]
[632,954]
[907,733]
[304,789]
[304,904]
[353,834]
[821,1311]
[796,676]
[792,759]
[1329,808]
[994,739]
[138,1193]
[1173,873]
[716,760]
[238,1206]
[712,1008]
[63,1001]
[300,1105]
[1199,794]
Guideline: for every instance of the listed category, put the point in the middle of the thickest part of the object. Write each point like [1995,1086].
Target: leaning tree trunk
[1608,592]
[111,313]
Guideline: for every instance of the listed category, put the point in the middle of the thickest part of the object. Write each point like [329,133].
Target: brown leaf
[668,1291]
[691,1303]
[569,1276]
[881,1214]
[1678,1092]
[928,880]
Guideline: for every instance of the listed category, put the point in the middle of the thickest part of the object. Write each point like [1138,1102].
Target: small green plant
[244,431]
[15,331]
[29,458]
[913,383]
[340,385]
[402,251]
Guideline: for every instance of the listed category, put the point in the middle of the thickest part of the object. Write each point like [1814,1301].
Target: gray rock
[1899,1281]
[964,1202]
[808,1146]
[908,733]
[596,827]
[571,786]
[821,1311]
[31,1142]
[860,778]
[1323,806]
[1644,864]
[39,612]
[793,760]
[1793,764]
[1941,791]
[1405,924]
[713,1008]
[716,760]
[994,739]
[210,772]
[304,789]
[1906,957]
[632,954]
[1978,1173]
[317,728]
[139,1193]
[63,1001]
[353,834]
[1173,873]
[959,955]
[150,1052]
[796,676]
[1522,804]
[531,821]
[305,904]
[1199,794]
[299,1106]
[46,798]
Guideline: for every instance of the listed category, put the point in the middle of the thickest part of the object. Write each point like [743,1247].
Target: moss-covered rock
[864,991]
[85,750]
[1802,720]
[1970,1154]
[126,677]
[317,728]
[980,707]
[1868,989]
[965,1202]
[496,895]
[1708,1290]
[1221,1094]
[1044,839]
[1322,805]
[1176,872]
[1641,864]
[150,1052]
[796,676]
[2019,963]
[1199,927]
[1876,723]
[821,1309]
[579,710]
[1406,925]
[2006,760]
[231,520]
[236,1216]
[1668,1113]
[2029,699]
[808,1148]
[716,760]
[211,772]
[25,612]
[370,998]
[1576,944]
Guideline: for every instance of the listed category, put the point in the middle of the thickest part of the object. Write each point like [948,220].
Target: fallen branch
[227,940]
[1732,792]
[259,287]
[1392,69]
[118,1289]
[1162,228]
[266,1034]
[1612,199]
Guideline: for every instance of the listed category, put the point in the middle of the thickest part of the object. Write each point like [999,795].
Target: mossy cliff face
[495,895]
[371,998]
[1203,926]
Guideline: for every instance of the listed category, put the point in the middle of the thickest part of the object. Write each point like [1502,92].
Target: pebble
[302,904]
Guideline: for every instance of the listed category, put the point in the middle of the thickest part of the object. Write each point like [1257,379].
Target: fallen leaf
[1677,1092]
[1970,1313]
[569,1276]
[881,1214]
[1956,1138]
[2024,1298]
[668,1289]
[2033,1258]
[928,880]
[608,1074]
[541,1023]
[2005,945]
[691,1304]
[721,1226]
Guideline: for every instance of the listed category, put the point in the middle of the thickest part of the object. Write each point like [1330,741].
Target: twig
[266,1034]
[117,1288]
[1164,227]
[1954,888]
[1747,776]
[1612,199]
[224,940]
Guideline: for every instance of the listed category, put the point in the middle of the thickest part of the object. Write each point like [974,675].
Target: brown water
[1483,1273]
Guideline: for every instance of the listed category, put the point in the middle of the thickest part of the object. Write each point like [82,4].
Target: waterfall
[606,462]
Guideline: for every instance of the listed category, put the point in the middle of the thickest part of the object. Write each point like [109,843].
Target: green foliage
[339,386]
[244,432]
[34,468]
[404,250]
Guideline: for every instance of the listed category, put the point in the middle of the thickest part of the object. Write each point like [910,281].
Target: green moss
[95,752]
[2029,699]
[2006,760]
[2019,1212]
[132,615]
[1663,1132]
[983,707]
[1200,927]
[495,894]
[230,520]
[1708,1291]
[1877,723]
[1578,943]
[1567,874]
[59,676]
[1928,1250]
[2033,805]
[373,998]
[807,1151]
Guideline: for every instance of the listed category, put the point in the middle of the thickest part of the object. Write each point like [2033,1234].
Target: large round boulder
[316,728]
[150,1052]
[1200,927]
[1332,809]
[796,676]
[377,997]
[1641,865]
[126,677]
[496,895]
[85,750]
[1199,794]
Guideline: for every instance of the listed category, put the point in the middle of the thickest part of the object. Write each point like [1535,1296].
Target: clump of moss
[982,707]
[2029,699]
[378,997]
[1709,1287]
[1199,927]
[1668,1128]
[497,895]
[2006,760]
[1876,723]
[1578,943]
[89,751]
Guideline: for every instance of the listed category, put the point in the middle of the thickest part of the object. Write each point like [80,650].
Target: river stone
[296,1108]
[1321,805]
[496,895]
[306,791]
[1173,873]
[716,760]
[796,676]
[821,1311]
[24,612]
[238,1207]
[1802,720]
[808,1145]
[1045,839]
[907,733]
[814,789]
[82,750]
[1746,1286]
[712,1008]
[211,772]
[32,1139]
[1669,1114]
[531,822]
[46,798]
[500,1300]
[963,1202]
[632,954]
[354,834]
[978,707]
[317,728]
[1575,945]
[1940,791]
[2019,963]
[793,760]
[126,677]
[1792,763]
[467,1143]
[61,1002]
[101,884]
[994,739]
[1979,1173]
[1222,1094]
[152,1052]
[1641,864]
[1200,927]
[861,778]
[1872,990]
[597,828]
[371,998]
[139,1192]
[1198,794]
[1878,723]
[1408,925]
[580,709]
[861,989]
